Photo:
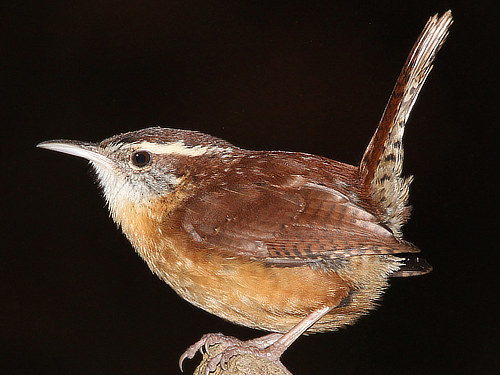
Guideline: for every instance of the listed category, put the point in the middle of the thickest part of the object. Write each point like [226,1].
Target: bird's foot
[266,347]
[202,345]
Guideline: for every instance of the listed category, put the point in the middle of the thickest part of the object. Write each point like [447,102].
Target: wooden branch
[242,364]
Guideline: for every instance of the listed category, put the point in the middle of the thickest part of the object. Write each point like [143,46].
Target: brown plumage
[280,241]
[382,161]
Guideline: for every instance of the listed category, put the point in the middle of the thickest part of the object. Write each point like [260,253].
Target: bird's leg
[264,341]
[270,346]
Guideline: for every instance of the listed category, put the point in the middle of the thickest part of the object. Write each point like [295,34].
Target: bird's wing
[294,222]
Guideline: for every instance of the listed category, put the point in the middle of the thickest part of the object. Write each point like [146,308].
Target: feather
[382,161]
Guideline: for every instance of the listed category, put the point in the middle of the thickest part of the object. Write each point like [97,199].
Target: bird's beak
[90,151]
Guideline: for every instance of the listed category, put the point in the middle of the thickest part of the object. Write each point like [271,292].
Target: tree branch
[241,364]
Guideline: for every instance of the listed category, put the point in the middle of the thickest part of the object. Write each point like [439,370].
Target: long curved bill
[86,150]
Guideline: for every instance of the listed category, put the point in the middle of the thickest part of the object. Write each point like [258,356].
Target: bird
[286,242]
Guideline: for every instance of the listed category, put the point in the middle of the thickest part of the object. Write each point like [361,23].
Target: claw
[212,364]
[185,355]
[223,362]
[181,359]
[192,350]
[225,357]
[202,346]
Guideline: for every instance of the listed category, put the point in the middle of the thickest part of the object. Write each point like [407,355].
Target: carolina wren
[279,241]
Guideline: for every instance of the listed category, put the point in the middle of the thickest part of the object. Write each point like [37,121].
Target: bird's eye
[140,158]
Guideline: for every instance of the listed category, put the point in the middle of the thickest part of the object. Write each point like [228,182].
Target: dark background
[301,76]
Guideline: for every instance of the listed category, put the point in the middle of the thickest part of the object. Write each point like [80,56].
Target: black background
[301,76]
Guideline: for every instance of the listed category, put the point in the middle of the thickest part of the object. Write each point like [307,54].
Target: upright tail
[382,161]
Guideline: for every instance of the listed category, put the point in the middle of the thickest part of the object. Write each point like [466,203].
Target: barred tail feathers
[382,162]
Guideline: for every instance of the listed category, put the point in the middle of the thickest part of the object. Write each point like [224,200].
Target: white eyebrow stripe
[178,148]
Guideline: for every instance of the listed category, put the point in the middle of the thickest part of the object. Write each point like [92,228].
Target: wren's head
[139,166]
